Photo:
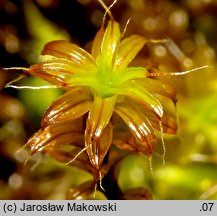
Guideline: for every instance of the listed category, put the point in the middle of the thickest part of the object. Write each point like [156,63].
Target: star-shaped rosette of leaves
[100,85]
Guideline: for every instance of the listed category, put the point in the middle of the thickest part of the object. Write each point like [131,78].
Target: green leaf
[141,95]
[110,42]
[98,118]
[70,51]
[71,105]
[139,126]
[127,50]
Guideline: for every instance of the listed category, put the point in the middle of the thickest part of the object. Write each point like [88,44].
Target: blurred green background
[191,155]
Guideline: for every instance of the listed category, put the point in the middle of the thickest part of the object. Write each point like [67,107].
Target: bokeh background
[191,155]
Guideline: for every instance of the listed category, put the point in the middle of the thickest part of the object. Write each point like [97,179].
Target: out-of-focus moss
[37,101]
[184,181]
[132,172]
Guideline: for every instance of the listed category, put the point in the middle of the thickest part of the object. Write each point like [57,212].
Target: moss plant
[107,101]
